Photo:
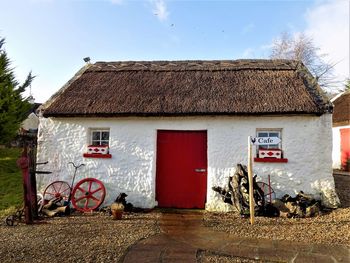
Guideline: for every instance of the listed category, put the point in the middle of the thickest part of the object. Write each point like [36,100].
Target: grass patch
[11,193]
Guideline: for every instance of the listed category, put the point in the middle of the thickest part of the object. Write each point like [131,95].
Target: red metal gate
[345,147]
[181,180]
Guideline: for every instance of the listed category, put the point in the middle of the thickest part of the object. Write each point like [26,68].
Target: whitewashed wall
[336,154]
[306,142]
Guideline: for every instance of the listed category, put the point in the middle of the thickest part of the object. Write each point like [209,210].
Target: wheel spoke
[90,184]
[86,203]
[66,189]
[95,199]
[59,190]
[81,189]
[98,189]
[54,188]
[49,193]
[80,198]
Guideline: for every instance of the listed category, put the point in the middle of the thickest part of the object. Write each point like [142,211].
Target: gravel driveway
[77,238]
[97,238]
[330,228]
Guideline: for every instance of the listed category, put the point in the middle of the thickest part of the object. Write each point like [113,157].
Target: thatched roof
[177,88]
[341,114]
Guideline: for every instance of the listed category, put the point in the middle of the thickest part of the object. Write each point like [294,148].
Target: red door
[181,179]
[345,146]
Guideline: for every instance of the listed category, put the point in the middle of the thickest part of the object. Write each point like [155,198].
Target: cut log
[49,213]
[61,210]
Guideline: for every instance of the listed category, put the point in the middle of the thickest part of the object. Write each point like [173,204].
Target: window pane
[96,135]
[275,146]
[105,136]
[263,134]
[95,143]
[274,134]
[104,143]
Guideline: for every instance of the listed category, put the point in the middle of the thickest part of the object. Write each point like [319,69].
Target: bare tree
[302,48]
[347,85]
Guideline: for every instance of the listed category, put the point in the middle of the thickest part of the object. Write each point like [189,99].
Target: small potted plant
[117,210]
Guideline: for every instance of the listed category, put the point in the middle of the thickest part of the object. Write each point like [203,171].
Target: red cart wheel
[88,194]
[57,190]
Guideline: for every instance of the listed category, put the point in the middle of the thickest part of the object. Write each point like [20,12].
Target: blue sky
[51,37]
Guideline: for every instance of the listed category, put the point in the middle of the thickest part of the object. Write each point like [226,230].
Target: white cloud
[328,26]
[160,9]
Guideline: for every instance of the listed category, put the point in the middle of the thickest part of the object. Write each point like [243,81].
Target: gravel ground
[329,228]
[332,228]
[97,238]
[77,238]
[342,185]
[209,257]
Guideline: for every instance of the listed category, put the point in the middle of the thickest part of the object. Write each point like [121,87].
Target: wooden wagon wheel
[59,190]
[88,194]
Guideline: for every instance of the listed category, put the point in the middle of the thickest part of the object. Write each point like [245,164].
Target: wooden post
[250,177]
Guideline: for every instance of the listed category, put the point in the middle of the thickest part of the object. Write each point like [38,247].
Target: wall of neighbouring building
[306,142]
[336,152]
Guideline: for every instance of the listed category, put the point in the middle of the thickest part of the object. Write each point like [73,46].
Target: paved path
[183,235]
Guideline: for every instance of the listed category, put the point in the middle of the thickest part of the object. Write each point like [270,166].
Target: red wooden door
[345,146]
[181,179]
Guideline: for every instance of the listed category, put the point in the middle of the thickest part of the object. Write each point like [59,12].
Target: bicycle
[87,195]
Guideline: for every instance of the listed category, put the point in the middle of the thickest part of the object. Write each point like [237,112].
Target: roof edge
[320,99]
[192,114]
[52,99]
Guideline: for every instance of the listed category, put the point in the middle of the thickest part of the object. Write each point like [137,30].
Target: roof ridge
[189,65]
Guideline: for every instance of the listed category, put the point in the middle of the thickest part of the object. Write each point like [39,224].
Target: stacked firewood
[302,205]
[236,193]
[54,207]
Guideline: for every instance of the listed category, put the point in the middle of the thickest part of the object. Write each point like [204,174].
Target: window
[270,152]
[100,137]
[98,144]
[269,133]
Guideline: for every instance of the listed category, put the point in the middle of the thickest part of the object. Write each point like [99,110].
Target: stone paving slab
[183,235]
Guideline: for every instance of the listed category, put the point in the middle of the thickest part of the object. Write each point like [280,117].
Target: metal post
[270,193]
[23,163]
[32,178]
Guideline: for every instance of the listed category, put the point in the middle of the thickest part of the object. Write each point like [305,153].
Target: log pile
[236,193]
[52,208]
[302,205]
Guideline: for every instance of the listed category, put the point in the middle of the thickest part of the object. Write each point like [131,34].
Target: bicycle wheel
[269,193]
[57,190]
[88,194]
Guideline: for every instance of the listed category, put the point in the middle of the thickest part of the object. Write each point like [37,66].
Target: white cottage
[166,132]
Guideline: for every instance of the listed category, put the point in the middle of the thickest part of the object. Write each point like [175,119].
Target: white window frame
[269,130]
[100,140]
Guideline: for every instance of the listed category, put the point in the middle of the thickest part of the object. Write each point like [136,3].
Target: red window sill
[270,160]
[104,156]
